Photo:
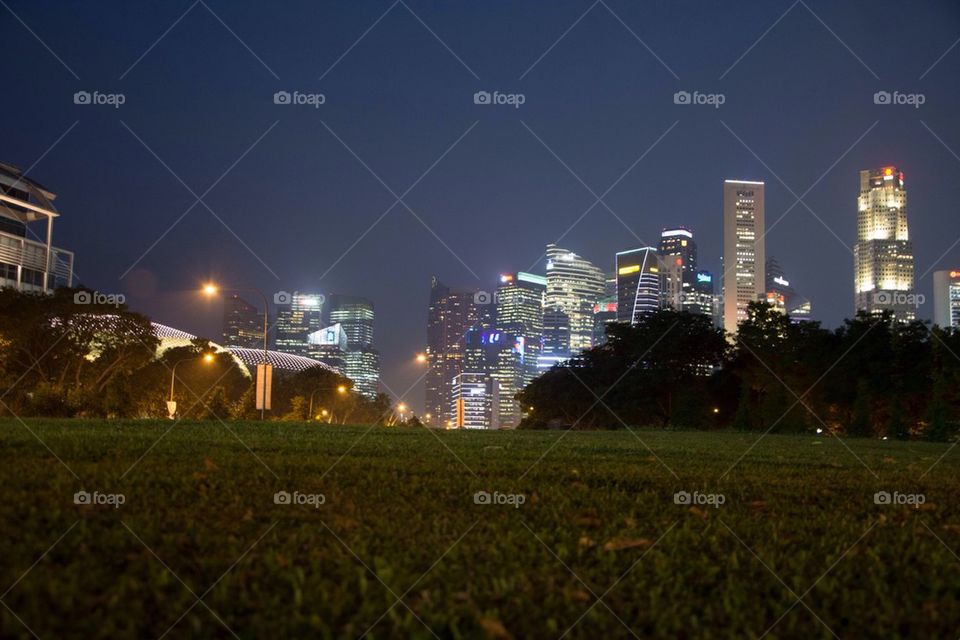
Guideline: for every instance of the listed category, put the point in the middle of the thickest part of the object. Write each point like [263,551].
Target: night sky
[291,193]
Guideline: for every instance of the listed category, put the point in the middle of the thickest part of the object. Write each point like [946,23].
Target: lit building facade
[475,402]
[883,254]
[519,323]
[781,293]
[355,315]
[604,313]
[574,285]
[31,265]
[242,323]
[744,259]
[451,315]
[678,257]
[638,284]
[946,298]
[296,320]
[557,338]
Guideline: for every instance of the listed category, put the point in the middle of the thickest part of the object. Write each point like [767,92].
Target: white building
[946,298]
[575,286]
[743,249]
[28,263]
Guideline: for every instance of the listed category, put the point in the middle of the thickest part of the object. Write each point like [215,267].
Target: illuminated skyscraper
[296,320]
[743,249]
[242,323]
[520,315]
[678,257]
[575,286]
[780,290]
[883,255]
[638,284]
[451,315]
[556,338]
[946,298]
[361,361]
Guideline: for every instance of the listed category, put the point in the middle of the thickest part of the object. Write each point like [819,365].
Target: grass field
[587,543]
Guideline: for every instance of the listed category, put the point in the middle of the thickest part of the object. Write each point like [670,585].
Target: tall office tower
[361,361]
[242,323]
[519,314]
[678,257]
[604,313]
[34,266]
[638,284]
[574,286]
[494,358]
[743,249]
[296,320]
[779,290]
[450,316]
[557,335]
[328,345]
[946,298]
[701,298]
[883,255]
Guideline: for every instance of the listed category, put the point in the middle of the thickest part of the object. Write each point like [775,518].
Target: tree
[861,424]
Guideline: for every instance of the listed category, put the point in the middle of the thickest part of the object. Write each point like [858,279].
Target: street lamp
[171,404]
[401,408]
[210,289]
[421,358]
[341,389]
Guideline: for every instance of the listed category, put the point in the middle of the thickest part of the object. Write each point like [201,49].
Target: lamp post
[171,405]
[211,289]
[341,389]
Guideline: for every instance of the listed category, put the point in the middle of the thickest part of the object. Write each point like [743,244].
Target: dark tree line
[871,377]
[59,358]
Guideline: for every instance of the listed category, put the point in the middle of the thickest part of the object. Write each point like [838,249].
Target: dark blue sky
[399,98]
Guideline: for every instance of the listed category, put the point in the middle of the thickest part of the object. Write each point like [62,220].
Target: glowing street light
[211,289]
[421,358]
[171,403]
[341,389]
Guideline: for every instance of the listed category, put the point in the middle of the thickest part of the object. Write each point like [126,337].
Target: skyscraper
[743,249]
[638,284]
[574,286]
[556,338]
[242,323]
[678,257]
[450,316]
[520,312]
[946,298]
[361,360]
[520,315]
[778,287]
[296,320]
[883,255]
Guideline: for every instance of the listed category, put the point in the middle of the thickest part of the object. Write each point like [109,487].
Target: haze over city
[294,187]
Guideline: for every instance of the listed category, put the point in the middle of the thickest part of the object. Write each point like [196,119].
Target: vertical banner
[264,385]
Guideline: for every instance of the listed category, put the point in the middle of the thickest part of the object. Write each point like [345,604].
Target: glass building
[296,320]
[638,284]
[362,362]
[242,323]
[946,298]
[574,286]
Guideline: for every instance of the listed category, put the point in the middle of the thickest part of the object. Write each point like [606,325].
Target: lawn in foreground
[400,547]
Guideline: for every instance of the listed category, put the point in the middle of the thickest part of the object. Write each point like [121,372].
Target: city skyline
[492,183]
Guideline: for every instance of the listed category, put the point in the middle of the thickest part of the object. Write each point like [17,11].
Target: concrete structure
[743,249]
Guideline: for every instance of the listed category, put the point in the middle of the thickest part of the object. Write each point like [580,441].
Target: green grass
[399,510]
